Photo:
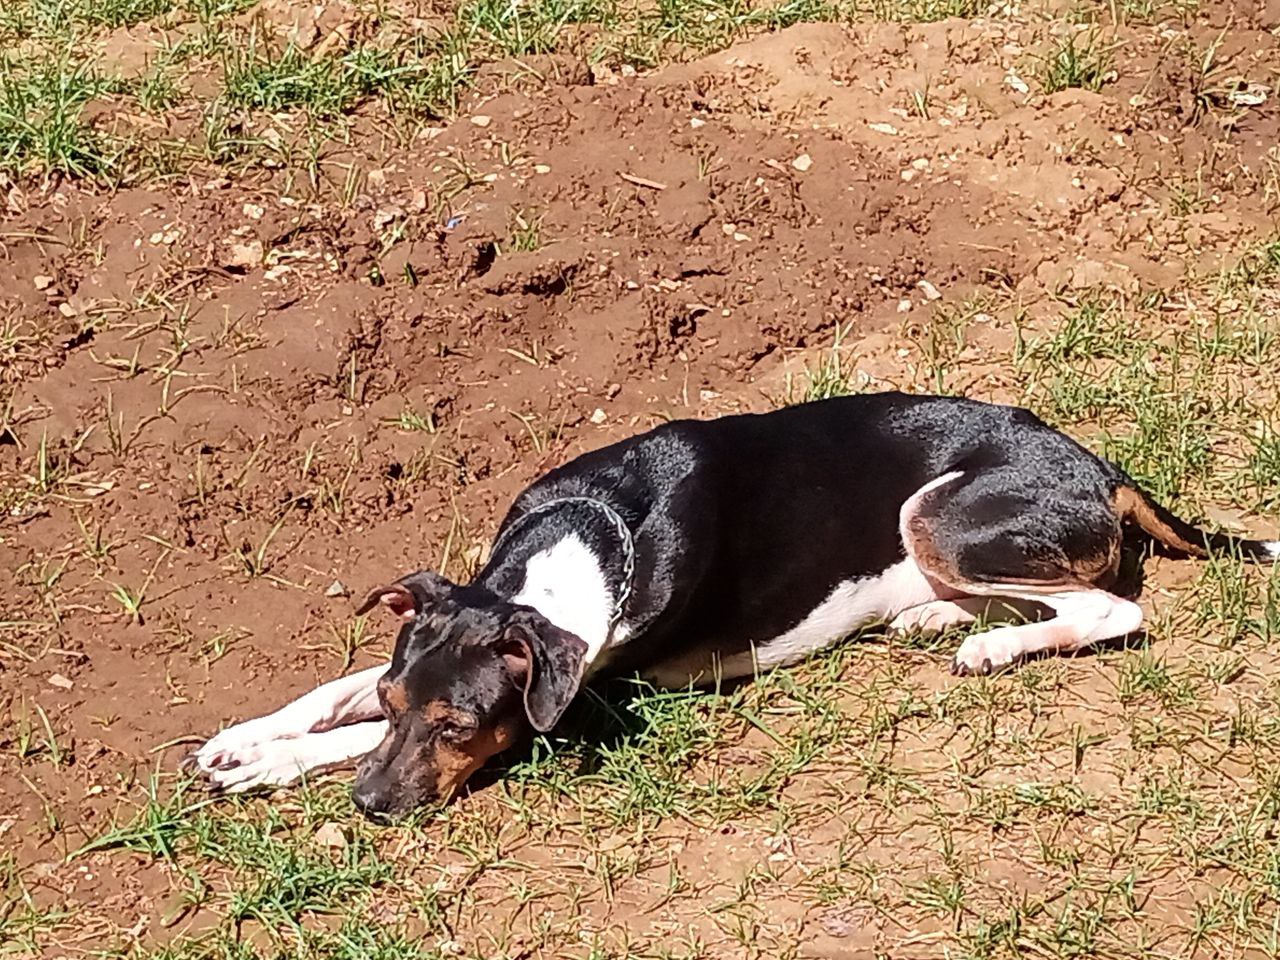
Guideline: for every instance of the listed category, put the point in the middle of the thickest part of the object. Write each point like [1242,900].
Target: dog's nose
[372,802]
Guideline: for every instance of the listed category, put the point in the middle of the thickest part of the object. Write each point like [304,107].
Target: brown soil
[701,231]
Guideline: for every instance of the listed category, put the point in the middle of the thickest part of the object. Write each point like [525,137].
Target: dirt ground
[236,393]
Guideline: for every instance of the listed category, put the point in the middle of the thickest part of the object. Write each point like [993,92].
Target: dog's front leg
[342,701]
[278,762]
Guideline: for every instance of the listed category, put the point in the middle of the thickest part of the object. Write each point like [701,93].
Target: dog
[705,551]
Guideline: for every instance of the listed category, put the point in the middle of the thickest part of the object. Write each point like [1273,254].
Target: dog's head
[470,674]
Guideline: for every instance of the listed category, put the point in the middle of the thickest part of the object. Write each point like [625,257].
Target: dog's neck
[572,560]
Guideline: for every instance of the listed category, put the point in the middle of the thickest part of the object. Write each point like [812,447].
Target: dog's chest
[566,583]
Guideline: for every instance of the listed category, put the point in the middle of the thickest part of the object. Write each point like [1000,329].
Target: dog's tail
[1133,504]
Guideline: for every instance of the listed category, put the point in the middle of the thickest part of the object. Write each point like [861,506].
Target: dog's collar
[623,531]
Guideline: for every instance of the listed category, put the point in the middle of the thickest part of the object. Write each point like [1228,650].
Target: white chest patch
[566,585]
[852,604]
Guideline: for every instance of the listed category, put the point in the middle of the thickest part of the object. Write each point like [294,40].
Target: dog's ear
[408,596]
[546,661]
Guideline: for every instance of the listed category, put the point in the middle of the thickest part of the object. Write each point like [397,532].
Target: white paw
[929,618]
[233,747]
[988,652]
[271,764]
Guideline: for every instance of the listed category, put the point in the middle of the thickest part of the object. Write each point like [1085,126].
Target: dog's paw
[929,618]
[271,764]
[233,747]
[986,653]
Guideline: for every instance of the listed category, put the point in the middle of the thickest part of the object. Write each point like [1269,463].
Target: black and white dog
[709,550]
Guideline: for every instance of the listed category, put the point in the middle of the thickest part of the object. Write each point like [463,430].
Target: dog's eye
[451,730]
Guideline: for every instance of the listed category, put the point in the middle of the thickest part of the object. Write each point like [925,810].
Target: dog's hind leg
[1005,535]
[342,701]
[1081,618]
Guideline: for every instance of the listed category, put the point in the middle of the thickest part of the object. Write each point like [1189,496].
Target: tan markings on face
[396,695]
[456,762]
[437,711]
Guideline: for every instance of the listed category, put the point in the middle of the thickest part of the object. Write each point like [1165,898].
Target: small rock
[386,215]
[59,681]
[330,835]
[929,290]
[67,310]
[599,416]
[802,162]
[697,122]
[541,168]
[253,211]
[848,922]
[245,256]
[1016,82]
[888,128]
[337,589]
[1253,95]
[920,163]
[481,120]
[42,282]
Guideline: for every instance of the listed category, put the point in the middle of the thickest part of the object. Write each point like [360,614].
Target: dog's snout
[371,800]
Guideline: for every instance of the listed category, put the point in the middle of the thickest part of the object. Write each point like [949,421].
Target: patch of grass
[635,755]
[257,77]
[1158,401]
[526,232]
[519,29]
[41,127]
[703,25]
[20,19]
[23,922]
[923,11]
[830,377]
[279,875]
[1079,59]
[159,89]
[420,78]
